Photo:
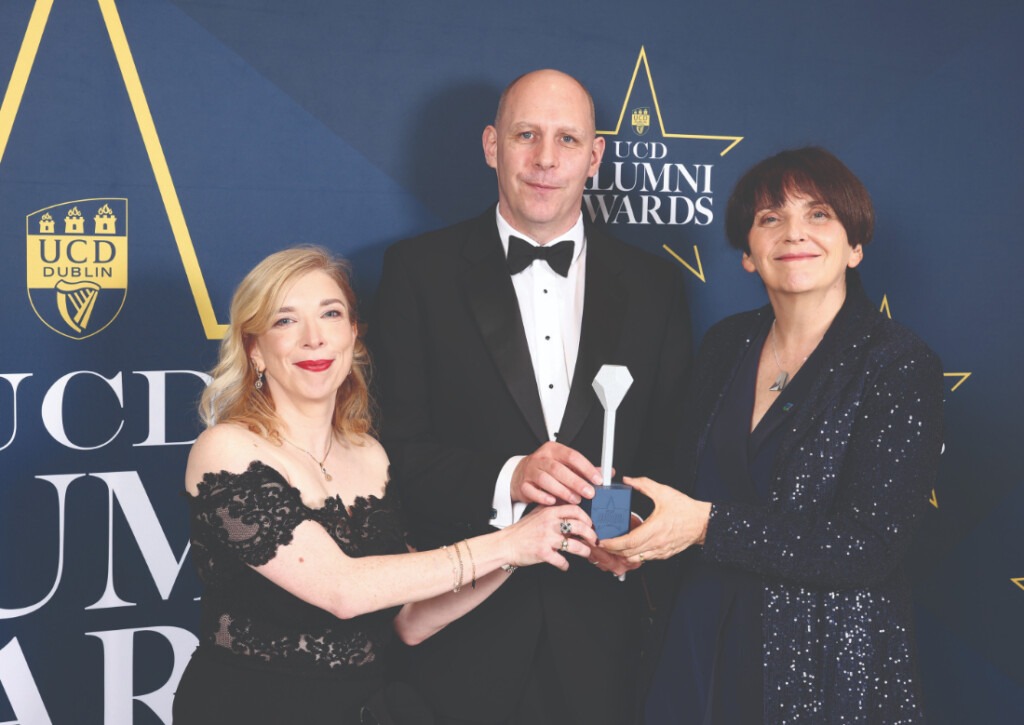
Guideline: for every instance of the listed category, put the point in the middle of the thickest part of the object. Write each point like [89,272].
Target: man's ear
[490,144]
[596,152]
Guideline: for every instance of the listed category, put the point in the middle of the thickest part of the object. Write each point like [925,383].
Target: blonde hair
[232,396]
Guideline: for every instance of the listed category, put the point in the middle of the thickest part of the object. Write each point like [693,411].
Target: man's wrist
[505,511]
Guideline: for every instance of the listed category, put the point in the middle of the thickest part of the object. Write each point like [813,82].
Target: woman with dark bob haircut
[296,532]
[813,437]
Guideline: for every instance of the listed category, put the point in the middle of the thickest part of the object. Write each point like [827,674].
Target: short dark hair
[811,171]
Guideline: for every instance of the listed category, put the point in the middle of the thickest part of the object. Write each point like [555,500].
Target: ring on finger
[565,544]
[565,527]
[642,557]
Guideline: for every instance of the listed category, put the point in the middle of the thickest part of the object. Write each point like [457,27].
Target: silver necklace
[783,380]
[319,463]
[780,382]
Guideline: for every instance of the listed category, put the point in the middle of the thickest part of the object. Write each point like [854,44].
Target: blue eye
[526,135]
[283,322]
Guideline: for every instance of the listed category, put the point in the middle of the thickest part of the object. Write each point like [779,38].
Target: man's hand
[552,474]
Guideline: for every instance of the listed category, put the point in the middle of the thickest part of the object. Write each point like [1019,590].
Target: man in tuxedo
[487,339]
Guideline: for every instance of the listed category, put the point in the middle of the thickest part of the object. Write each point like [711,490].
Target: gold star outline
[642,59]
[962,377]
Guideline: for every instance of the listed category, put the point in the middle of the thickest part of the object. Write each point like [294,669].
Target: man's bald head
[548,75]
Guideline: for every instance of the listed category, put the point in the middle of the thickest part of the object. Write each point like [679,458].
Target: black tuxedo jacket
[459,398]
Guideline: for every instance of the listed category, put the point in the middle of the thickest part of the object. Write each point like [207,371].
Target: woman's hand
[547,533]
[607,561]
[677,523]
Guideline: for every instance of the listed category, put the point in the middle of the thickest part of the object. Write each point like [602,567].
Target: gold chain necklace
[319,463]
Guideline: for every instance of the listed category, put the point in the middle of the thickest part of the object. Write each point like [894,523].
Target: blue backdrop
[151,151]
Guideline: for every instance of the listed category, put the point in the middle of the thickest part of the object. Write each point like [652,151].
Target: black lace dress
[266,656]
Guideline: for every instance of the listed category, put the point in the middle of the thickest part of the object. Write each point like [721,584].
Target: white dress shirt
[551,307]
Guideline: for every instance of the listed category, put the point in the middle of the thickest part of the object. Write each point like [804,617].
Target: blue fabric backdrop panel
[218,132]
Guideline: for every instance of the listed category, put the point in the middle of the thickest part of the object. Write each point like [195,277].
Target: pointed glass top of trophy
[611,384]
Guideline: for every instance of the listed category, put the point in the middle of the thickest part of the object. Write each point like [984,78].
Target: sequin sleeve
[859,527]
[250,514]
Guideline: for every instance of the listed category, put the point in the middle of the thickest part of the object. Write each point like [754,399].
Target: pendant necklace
[319,463]
[783,379]
[780,382]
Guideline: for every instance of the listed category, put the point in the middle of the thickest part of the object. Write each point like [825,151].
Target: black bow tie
[521,254]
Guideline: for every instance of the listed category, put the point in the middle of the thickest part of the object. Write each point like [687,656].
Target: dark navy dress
[712,662]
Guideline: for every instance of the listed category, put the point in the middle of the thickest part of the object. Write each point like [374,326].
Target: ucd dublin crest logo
[77,256]
[641,120]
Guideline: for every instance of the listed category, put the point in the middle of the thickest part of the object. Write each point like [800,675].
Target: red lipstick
[315,366]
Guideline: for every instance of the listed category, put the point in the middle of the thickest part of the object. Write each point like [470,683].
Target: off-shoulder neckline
[256,466]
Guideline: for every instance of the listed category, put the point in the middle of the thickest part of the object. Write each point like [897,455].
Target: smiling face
[800,247]
[543,148]
[307,351]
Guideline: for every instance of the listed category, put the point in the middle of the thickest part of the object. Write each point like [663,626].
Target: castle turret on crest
[74,223]
[105,220]
[46,224]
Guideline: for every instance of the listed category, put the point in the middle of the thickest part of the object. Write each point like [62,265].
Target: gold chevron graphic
[885,309]
[22,69]
[963,378]
[147,128]
[698,272]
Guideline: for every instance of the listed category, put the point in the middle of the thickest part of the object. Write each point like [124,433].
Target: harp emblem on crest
[76,300]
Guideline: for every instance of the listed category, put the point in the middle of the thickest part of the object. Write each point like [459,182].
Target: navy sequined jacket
[851,479]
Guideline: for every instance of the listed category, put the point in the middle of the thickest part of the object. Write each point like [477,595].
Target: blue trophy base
[609,509]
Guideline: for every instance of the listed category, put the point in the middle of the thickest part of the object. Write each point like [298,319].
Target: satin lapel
[605,300]
[708,394]
[492,299]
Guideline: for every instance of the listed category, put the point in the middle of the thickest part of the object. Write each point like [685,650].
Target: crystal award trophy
[609,509]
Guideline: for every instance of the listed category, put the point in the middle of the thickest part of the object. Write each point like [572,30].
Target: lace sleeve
[250,514]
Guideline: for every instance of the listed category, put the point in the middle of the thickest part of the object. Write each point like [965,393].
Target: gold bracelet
[455,572]
[472,564]
[458,587]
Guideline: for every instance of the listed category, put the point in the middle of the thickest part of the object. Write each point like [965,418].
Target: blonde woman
[296,535]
